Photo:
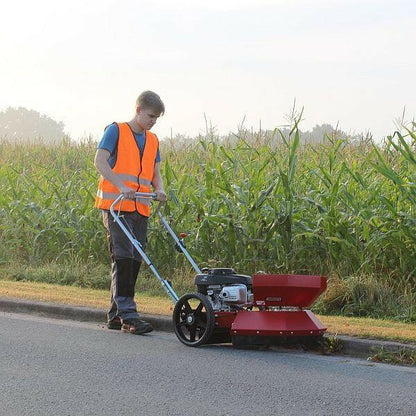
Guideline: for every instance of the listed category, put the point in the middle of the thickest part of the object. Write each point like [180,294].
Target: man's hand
[128,192]
[160,195]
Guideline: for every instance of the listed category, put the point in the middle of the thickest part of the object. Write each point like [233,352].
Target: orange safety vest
[134,169]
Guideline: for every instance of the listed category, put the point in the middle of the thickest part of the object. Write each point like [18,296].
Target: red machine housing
[281,300]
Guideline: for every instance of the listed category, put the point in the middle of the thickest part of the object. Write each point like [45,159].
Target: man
[128,160]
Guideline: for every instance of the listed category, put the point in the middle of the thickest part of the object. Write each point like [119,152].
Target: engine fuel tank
[221,276]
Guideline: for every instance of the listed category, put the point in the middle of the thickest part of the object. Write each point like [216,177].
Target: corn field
[344,209]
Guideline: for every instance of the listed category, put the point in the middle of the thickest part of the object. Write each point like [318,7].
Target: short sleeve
[110,138]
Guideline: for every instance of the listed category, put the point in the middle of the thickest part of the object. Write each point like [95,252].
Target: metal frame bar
[165,284]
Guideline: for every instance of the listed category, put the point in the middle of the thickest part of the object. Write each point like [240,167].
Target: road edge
[357,347]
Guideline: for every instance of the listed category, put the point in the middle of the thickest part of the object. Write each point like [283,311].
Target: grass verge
[72,295]
[99,299]
[402,357]
[370,328]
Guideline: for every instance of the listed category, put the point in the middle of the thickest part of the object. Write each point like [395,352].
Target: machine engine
[226,289]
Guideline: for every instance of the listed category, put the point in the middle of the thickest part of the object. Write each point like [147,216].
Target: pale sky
[347,62]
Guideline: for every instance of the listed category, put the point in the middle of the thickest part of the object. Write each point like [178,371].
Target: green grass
[344,209]
[401,357]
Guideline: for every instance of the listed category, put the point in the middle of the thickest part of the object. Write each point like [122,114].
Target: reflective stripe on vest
[134,169]
[113,196]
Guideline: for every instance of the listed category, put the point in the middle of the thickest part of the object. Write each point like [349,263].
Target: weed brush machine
[229,307]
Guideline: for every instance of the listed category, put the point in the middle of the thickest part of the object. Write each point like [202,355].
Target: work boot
[136,326]
[114,323]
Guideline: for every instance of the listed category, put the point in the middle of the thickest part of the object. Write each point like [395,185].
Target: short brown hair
[149,99]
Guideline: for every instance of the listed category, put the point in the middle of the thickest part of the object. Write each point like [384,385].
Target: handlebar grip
[148,195]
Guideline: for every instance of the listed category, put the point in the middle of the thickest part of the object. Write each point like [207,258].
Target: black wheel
[193,319]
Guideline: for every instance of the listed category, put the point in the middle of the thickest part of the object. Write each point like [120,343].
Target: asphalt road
[56,367]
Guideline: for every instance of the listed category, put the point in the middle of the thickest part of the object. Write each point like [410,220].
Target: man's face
[147,117]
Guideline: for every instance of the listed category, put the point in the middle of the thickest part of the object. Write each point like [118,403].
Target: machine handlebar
[141,195]
[146,195]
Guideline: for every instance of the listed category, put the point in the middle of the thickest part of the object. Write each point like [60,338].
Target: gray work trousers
[125,262]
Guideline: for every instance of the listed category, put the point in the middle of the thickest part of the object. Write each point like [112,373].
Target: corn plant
[341,208]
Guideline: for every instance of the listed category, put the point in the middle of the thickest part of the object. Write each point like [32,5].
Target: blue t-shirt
[110,140]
